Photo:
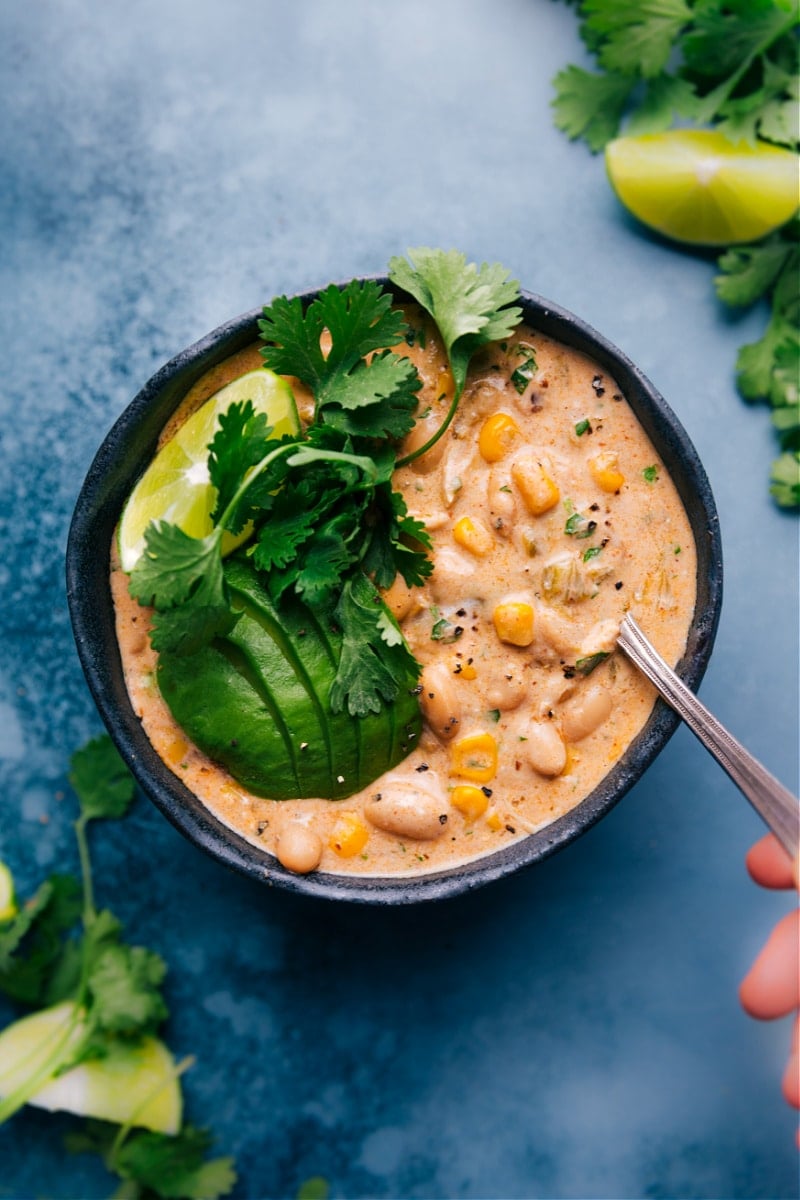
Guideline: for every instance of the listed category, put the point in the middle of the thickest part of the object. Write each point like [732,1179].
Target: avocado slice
[257,701]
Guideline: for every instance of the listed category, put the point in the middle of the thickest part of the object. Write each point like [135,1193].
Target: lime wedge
[8,904]
[696,186]
[176,486]
[137,1085]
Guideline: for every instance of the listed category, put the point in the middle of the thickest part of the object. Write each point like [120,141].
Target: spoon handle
[774,803]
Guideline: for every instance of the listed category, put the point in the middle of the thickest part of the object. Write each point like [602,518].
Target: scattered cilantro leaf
[590,106]
[157,1164]
[635,39]
[101,781]
[702,61]
[315,1188]
[769,368]
[733,65]
[32,943]
[57,947]
[124,983]
[785,481]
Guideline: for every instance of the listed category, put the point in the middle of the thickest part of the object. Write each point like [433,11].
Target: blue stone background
[574,1031]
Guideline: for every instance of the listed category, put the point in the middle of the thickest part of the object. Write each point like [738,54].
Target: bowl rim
[108,482]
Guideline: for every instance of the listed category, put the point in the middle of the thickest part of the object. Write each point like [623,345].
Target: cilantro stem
[89,911]
[302,454]
[713,101]
[431,442]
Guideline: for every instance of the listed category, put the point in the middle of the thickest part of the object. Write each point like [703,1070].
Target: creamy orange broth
[514,735]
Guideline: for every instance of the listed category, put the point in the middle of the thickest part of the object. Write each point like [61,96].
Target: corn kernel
[349,835]
[497,436]
[475,757]
[605,471]
[470,801]
[473,536]
[513,623]
[494,821]
[467,672]
[175,752]
[538,489]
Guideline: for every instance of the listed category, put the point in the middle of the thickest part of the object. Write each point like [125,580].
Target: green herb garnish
[524,373]
[60,950]
[582,427]
[579,526]
[327,525]
[732,66]
[650,474]
[587,665]
[471,306]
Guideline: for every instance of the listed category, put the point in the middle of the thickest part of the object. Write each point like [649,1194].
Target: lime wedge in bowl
[176,485]
[698,187]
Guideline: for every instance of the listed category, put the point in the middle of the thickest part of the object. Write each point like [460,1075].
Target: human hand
[771,987]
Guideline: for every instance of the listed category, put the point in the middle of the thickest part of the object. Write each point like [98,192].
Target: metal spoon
[775,803]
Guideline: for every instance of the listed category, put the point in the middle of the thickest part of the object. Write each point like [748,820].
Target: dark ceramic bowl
[121,459]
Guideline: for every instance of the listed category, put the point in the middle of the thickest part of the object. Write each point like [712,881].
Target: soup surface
[551,516]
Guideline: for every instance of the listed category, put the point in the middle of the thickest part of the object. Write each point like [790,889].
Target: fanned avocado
[257,701]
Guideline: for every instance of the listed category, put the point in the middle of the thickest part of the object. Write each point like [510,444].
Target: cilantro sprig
[702,61]
[59,947]
[768,369]
[471,306]
[325,523]
[733,66]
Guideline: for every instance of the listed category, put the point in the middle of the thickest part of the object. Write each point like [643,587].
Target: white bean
[405,809]
[544,748]
[299,848]
[423,430]
[439,700]
[602,638]
[400,599]
[507,687]
[502,505]
[583,714]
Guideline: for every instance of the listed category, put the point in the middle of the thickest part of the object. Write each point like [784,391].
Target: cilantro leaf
[359,319]
[785,481]
[748,272]
[124,985]
[279,539]
[726,38]
[637,38]
[241,441]
[173,1167]
[664,98]
[590,106]
[376,400]
[374,663]
[102,782]
[471,305]
[32,945]
[176,567]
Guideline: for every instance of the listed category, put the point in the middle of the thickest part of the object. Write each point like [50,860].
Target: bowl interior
[120,460]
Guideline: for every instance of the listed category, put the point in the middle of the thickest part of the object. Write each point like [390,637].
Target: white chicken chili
[550,515]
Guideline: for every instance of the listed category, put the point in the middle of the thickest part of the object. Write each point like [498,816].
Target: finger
[791,1077]
[769,864]
[771,987]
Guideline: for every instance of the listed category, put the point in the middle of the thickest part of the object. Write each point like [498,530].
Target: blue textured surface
[573,1032]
